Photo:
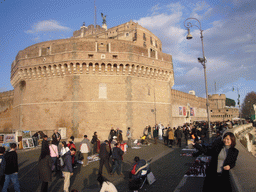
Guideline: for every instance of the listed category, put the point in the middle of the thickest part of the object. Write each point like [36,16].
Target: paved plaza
[167,166]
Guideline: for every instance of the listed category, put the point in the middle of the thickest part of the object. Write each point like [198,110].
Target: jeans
[35,139]
[54,163]
[15,181]
[117,166]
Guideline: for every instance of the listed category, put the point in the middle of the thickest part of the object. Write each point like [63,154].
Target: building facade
[98,79]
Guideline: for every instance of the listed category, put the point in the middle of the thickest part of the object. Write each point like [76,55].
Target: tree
[230,102]
[247,109]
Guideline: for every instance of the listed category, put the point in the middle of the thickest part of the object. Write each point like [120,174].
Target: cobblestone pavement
[167,166]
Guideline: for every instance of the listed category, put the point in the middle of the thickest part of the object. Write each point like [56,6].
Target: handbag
[151,178]
[61,162]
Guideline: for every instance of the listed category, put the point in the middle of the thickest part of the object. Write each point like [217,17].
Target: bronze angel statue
[104,18]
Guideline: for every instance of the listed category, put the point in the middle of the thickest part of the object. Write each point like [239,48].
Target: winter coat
[68,163]
[171,135]
[117,153]
[104,151]
[45,169]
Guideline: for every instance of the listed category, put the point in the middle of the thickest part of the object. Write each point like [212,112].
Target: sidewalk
[167,166]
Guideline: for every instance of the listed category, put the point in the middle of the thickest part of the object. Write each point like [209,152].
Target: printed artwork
[27,143]
[10,138]
[184,111]
[180,110]
[1,138]
[192,112]
[26,134]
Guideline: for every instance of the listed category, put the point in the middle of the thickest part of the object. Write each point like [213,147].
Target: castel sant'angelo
[98,79]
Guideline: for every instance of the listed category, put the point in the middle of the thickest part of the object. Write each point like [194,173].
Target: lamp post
[188,25]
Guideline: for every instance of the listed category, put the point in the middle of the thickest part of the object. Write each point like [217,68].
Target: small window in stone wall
[90,56]
[144,44]
[115,56]
[102,91]
[144,37]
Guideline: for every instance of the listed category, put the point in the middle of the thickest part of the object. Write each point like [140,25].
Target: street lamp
[188,25]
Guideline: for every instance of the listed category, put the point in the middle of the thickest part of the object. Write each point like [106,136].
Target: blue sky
[229,35]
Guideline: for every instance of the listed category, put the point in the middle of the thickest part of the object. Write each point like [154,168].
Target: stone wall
[6,103]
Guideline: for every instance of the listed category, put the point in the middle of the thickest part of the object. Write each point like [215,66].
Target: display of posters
[184,111]
[26,134]
[180,110]
[192,112]
[27,143]
[9,138]
[1,138]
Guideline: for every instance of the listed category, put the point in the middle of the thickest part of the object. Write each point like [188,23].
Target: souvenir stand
[6,139]
[27,141]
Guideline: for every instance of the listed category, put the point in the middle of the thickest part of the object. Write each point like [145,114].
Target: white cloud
[46,26]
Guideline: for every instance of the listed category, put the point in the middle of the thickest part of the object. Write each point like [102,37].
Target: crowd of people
[111,154]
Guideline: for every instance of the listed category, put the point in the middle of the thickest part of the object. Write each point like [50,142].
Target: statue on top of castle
[104,19]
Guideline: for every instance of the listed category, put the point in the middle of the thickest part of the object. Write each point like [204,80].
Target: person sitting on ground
[106,185]
[143,140]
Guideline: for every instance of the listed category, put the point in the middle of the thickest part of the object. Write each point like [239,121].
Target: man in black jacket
[11,169]
[104,157]
[67,169]
[56,137]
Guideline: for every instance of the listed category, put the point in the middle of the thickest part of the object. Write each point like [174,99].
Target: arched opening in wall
[150,71]
[103,67]
[44,71]
[109,68]
[84,67]
[154,73]
[133,68]
[142,70]
[78,67]
[65,68]
[60,69]
[147,72]
[96,68]
[114,69]
[90,67]
[22,85]
[127,68]
[71,68]
[39,71]
[30,72]
[121,67]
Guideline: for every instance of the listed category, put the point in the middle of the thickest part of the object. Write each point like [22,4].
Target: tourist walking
[54,153]
[129,136]
[85,149]
[67,169]
[2,167]
[45,168]
[149,132]
[170,137]
[179,136]
[187,135]
[11,169]
[35,139]
[155,134]
[117,156]
[56,137]
[104,157]
[94,143]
